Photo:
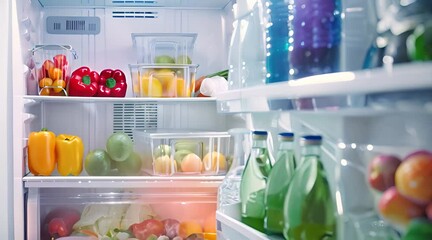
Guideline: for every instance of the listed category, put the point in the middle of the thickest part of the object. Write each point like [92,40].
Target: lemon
[150,87]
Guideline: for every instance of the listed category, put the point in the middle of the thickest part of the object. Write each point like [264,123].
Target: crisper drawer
[85,213]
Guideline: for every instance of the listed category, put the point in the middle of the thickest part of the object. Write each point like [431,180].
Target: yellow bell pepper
[41,152]
[69,153]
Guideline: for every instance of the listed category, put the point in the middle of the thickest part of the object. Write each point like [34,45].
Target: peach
[397,209]
[381,171]
[414,177]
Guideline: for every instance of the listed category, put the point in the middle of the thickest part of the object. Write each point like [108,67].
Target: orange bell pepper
[69,153]
[41,152]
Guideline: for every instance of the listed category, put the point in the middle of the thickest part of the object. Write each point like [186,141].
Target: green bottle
[254,182]
[309,212]
[277,184]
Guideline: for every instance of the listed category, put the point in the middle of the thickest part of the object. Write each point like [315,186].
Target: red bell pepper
[112,83]
[83,82]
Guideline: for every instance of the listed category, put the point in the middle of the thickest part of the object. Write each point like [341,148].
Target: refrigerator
[360,114]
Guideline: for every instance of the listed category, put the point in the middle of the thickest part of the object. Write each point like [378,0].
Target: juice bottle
[309,212]
[254,182]
[277,184]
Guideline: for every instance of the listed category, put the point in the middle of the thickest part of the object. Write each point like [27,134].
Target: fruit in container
[119,146]
[381,171]
[414,177]
[150,87]
[191,163]
[164,165]
[183,59]
[58,85]
[171,227]
[45,82]
[162,150]
[188,228]
[164,59]
[186,145]
[98,163]
[180,154]
[397,209]
[145,229]
[212,160]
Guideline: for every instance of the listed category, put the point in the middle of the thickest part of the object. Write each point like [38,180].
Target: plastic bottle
[254,181]
[229,190]
[277,63]
[315,37]
[277,184]
[246,57]
[309,212]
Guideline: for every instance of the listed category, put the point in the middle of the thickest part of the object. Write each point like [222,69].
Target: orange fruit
[187,228]
[191,163]
[414,177]
[210,223]
[212,159]
[55,73]
[45,82]
[45,91]
[58,85]
[150,87]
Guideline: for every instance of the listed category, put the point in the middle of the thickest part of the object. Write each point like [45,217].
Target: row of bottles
[282,197]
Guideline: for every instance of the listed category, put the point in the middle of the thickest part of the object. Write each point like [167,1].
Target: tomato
[59,85]
[147,228]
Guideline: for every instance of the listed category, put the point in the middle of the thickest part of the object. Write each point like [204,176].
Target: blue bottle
[277,41]
[315,37]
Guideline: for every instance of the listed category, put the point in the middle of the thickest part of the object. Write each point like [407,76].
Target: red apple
[429,211]
[381,171]
[397,209]
[414,177]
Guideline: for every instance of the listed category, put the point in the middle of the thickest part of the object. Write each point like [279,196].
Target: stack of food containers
[164,65]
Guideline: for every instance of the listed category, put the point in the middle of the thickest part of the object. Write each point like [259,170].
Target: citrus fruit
[97,163]
[119,146]
[191,163]
[212,159]
[164,165]
[131,166]
[150,87]
[164,59]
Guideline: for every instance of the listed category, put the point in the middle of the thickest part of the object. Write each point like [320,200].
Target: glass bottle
[309,212]
[277,184]
[229,190]
[254,181]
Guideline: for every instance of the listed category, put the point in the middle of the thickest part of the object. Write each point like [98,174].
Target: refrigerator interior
[351,136]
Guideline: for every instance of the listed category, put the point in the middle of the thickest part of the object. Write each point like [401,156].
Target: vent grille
[72,25]
[134,14]
[130,116]
[134,2]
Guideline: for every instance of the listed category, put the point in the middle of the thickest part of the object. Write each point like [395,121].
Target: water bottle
[254,181]
[315,37]
[229,190]
[277,41]
[246,57]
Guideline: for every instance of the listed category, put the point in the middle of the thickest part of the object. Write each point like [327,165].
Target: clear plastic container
[124,214]
[171,152]
[52,68]
[170,80]
[164,48]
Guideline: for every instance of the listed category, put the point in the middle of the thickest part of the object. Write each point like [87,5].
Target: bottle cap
[311,140]
[259,135]
[286,136]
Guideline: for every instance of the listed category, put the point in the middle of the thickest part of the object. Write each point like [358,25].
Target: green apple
[191,146]
[183,59]
[164,59]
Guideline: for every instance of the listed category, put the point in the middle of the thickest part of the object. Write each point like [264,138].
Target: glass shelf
[36,98]
[216,4]
[32,181]
[403,87]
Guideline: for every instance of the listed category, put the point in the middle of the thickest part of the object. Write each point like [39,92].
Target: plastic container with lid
[164,48]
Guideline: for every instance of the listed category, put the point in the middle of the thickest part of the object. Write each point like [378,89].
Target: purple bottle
[314,36]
